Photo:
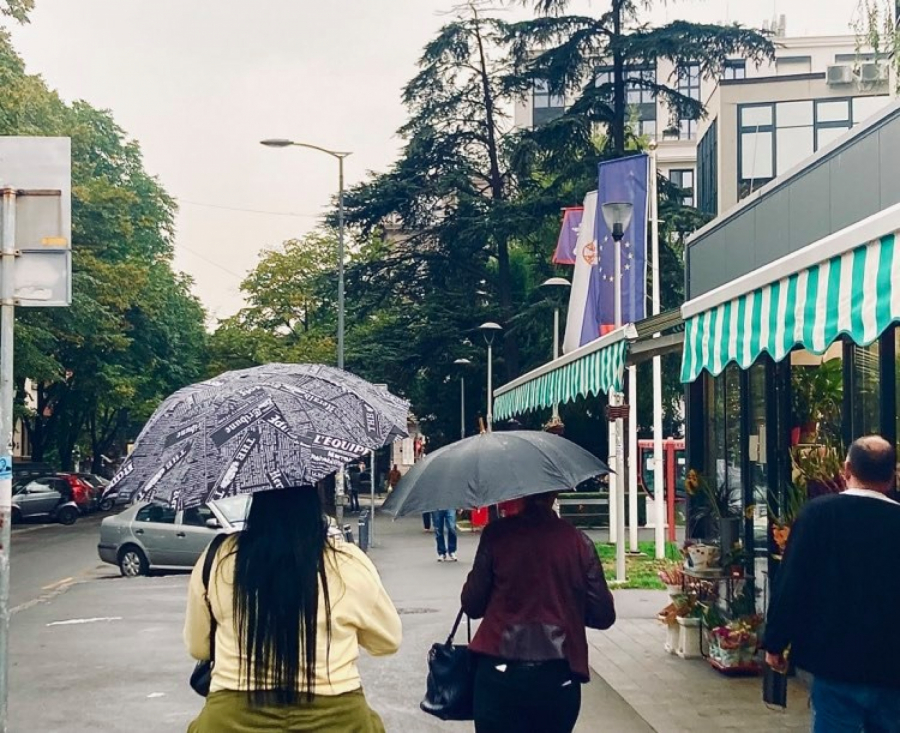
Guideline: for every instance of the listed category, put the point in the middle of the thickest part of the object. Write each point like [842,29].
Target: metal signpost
[35,271]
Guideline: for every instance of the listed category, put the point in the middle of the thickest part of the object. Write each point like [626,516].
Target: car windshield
[234,508]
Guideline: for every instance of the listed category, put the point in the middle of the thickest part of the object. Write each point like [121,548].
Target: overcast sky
[200,82]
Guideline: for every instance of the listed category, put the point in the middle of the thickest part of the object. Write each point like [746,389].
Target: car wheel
[67,515]
[133,562]
[106,505]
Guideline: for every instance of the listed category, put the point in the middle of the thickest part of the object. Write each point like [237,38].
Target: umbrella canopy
[490,468]
[263,428]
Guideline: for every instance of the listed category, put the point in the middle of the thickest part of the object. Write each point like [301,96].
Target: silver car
[153,537]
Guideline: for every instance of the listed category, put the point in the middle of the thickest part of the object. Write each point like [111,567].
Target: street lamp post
[282,143]
[617,217]
[462,363]
[490,330]
[556,285]
[339,493]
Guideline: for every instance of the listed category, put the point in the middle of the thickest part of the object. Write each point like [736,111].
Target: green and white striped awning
[841,285]
[595,368]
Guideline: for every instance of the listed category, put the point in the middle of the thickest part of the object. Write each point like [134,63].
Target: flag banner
[622,180]
[568,236]
[582,315]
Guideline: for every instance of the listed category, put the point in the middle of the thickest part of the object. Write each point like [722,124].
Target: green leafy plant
[720,501]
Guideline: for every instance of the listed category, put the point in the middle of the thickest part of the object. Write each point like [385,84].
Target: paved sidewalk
[638,687]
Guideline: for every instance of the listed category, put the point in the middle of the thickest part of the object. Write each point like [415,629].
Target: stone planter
[688,638]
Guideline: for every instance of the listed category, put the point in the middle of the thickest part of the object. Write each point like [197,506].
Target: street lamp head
[277,143]
[556,282]
[617,215]
[489,330]
[463,362]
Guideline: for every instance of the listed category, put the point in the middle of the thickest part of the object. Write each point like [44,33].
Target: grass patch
[640,570]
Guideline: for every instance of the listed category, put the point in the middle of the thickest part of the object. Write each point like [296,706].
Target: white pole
[555,353]
[632,461]
[372,494]
[659,477]
[7,314]
[611,462]
[620,453]
[490,388]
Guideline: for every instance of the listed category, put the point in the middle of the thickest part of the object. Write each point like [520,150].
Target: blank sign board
[40,170]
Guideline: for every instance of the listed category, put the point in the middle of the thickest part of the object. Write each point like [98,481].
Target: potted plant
[721,504]
[733,645]
[816,399]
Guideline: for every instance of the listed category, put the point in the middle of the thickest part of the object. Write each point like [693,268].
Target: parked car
[48,497]
[150,536]
[83,493]
[99,484]
[30,469]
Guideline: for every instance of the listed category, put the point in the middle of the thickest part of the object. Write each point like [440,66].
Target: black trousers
[525,698]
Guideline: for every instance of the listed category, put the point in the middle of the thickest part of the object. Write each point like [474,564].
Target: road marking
[57,584]
[77,621]
[154,695]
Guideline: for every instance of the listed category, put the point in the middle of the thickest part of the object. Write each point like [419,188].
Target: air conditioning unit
[873,72]
[839,74]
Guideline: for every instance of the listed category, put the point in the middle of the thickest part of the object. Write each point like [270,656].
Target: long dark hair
[279,563]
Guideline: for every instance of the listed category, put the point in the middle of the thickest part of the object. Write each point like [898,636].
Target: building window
[689,86]
[787,65]
[543,99]
[833,119]
[683,178]
[640,100]
[708,170]
[734,69]
[603,75]
[636,92]
[756,147]
[865,378]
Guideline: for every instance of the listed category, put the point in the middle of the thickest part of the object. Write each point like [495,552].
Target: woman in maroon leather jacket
[537,583]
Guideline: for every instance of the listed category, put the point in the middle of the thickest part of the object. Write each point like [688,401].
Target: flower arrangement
[735,643]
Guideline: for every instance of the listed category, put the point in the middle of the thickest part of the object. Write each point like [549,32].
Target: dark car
[98,484]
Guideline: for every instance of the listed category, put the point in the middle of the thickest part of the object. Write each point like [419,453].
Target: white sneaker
[452,557]
[442,558]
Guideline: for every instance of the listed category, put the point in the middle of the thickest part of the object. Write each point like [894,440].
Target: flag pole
[659,487]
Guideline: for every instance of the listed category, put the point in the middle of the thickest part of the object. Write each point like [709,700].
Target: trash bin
[363,531]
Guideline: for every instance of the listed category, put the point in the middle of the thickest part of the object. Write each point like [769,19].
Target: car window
[41,486]
[197,516]
[157,514]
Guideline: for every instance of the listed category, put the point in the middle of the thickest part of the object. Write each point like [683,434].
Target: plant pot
[672,634]
[702,557]
[688,638]
[674,590]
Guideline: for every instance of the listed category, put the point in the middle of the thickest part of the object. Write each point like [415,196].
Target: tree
[563,50]
[17,9]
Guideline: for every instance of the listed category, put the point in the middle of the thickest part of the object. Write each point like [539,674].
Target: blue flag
[622,180]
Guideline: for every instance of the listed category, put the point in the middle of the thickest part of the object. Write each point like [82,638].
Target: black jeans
[525,698]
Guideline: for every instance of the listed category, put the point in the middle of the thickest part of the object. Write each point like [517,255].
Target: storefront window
[817,395]
[865,391]
[759,474]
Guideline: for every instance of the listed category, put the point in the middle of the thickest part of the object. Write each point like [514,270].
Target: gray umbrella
[268,427]
[490,468]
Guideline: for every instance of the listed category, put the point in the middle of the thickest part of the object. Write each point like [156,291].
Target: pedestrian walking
[394,477]
[537,583]
[445,520]
[356,486]
[835,599]
[288,607]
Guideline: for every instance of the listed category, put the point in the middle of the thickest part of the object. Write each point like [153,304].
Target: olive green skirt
[232,712]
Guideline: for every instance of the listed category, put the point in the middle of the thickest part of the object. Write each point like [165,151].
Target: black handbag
[201,677]
[775,687]
[451,678]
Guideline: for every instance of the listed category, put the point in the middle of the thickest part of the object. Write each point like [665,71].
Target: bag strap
[211,553]
[456,626]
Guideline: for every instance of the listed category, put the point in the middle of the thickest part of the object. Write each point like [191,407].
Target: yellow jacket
[362,614]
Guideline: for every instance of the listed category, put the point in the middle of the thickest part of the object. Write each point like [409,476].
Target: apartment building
[807,70]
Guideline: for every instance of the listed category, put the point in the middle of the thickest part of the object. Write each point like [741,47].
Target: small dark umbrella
[490,468]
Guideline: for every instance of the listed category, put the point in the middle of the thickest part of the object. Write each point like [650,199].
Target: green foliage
[134,332]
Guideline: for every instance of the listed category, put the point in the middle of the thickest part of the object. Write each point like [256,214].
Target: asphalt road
[46,558]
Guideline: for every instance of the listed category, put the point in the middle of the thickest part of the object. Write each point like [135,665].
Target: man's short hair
[872,460]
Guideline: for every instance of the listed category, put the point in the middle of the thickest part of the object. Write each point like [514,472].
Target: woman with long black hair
[292,607]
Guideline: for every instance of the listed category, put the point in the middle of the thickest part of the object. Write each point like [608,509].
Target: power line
[209,261]
[250,211]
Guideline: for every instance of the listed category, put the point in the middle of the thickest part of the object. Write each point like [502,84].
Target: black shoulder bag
[451,678]
[201,677]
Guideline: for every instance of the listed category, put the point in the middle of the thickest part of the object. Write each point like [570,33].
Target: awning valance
[843,284]
[592,369]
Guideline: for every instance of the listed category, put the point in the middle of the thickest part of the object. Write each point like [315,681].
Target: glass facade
[689,86]
[684,179]
[773,137]
[545,106]
[708,171]
[734,69]
[639,97]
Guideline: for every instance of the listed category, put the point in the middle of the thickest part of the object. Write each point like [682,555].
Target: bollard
[363,531]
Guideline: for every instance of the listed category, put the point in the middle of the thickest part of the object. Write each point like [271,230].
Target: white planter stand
[688,638]
[672,635]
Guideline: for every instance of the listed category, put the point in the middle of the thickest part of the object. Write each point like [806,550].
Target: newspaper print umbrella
[267,427]
[490,468]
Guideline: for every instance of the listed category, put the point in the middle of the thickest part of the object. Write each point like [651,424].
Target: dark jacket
[836,599]
[537,582]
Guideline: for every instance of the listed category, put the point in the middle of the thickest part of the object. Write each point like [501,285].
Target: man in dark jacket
[537,582]
[837,596]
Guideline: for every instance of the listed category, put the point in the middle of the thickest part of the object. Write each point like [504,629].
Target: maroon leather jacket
[537,583]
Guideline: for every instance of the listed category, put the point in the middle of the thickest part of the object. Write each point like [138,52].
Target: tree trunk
[618,122]
[498,194]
